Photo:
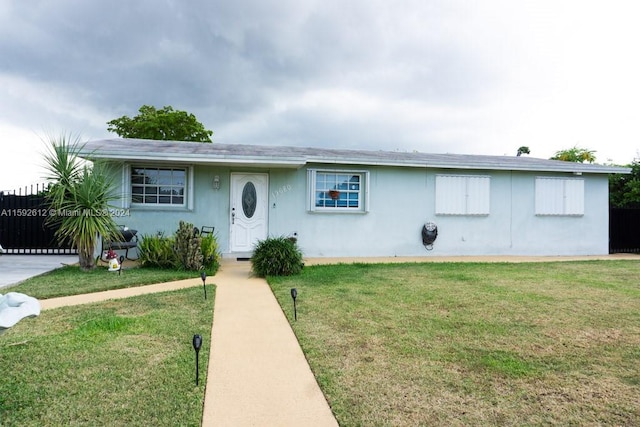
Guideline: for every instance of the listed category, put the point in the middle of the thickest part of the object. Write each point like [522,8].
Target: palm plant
[79,196]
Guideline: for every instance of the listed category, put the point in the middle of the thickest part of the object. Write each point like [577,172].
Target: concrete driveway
[16,268]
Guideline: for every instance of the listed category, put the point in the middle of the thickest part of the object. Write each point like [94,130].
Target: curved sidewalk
[47,304]
[257,373]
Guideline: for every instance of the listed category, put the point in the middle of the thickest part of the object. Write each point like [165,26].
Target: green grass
[69,280]
[126,362]
[472,343]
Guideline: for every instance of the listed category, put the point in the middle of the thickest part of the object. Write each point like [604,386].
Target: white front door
[249,209]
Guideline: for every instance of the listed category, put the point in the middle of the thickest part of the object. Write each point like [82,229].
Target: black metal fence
[23,229]
[624,230]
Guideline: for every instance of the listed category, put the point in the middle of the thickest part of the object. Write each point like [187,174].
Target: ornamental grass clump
[210,253]
[157,251]
[276,256]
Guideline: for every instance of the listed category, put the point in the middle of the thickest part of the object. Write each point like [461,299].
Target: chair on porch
[205,230]
[129,241]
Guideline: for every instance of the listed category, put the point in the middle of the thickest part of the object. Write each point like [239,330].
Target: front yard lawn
[125,362]
[472,343]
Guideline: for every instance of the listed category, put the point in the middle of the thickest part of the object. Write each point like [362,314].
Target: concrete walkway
[258,375]
[48,304]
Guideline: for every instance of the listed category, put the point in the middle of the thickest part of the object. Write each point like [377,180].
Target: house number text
[281,190]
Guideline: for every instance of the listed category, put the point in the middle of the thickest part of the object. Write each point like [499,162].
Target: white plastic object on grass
[14,307]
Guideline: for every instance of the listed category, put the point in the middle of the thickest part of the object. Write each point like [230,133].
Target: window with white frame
[337,190]
[462,194]
[559,196]
[158,185]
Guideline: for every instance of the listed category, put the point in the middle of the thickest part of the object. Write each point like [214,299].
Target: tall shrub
[187,247]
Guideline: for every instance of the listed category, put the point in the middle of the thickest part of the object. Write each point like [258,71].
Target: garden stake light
[197,343]
[121,261]
[203,276]
[294,295]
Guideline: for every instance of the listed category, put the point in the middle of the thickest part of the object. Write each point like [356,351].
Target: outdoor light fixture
[121,261]
[216,182]
[197,343]
[294,295]
[203,276]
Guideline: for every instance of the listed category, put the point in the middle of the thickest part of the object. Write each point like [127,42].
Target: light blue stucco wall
[209,207]
[401,200]
[512,228]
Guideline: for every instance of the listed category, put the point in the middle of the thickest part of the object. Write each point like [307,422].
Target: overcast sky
[450,76]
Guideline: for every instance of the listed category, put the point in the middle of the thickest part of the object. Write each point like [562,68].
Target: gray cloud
[234,59]
[432,75]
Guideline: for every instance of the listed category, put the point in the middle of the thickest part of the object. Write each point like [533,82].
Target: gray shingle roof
[293,157]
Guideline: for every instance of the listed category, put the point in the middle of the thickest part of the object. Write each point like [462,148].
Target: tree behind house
[624,190]
[575,154]
[165,124]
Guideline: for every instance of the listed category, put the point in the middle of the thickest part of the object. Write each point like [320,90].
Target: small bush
[276,256]
[157,251]
[210,254]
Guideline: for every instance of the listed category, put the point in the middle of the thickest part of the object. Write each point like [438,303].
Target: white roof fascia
[570,167]
[227,161]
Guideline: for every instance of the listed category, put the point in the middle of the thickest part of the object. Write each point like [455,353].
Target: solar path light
[294,295]
[197,343]
[121,261]
[203,276]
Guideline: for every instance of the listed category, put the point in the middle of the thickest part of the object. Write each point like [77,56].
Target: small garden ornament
[112,257]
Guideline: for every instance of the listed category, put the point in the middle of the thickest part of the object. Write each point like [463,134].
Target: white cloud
[20,163]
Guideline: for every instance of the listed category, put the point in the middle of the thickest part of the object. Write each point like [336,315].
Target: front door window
[249,199]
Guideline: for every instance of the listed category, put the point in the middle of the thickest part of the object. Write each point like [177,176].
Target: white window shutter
[478,195]
[559,196]
[574,197]
[462,195]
